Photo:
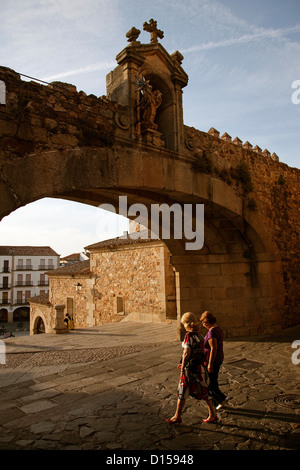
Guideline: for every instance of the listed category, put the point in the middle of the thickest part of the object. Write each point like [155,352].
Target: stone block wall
[37,117]
[133,281]
[243,303]
[270,191]
[64,288]
[43,311]
[63,143]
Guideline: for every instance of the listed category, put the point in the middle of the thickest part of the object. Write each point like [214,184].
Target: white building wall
[5,293]
[26,278]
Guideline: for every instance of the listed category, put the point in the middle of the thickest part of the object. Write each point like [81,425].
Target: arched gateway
[56,142]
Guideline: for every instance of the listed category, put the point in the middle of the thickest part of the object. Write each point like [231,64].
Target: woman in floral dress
[193,374]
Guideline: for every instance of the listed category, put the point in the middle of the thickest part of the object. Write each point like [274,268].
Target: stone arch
[238,274]
[3,315]
[91,159]
[21,314]
[2,92]
[39,324]
[235,275]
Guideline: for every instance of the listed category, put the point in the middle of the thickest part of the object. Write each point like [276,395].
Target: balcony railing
[23,283]
[43,283]
[22,267]
[4,286]
[29,267]
[21,302]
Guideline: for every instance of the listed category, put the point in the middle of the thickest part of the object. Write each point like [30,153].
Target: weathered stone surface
[56,142]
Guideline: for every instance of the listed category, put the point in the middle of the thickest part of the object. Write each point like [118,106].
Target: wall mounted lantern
[78,287]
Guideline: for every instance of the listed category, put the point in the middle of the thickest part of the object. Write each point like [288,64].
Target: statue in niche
[149,103]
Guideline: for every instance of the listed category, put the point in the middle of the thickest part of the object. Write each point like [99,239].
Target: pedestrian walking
[193,374]
[67,319]
[213,348]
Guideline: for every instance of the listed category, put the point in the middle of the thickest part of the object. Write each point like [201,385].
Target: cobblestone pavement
[112,387]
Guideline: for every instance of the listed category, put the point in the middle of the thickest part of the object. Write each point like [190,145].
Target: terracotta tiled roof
[40,299]
[128,239]
[27,251]
[82,268]
[74,256]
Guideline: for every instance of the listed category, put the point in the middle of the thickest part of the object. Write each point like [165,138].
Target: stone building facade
[23,275]
[134,279]
[125,278]
[270,192]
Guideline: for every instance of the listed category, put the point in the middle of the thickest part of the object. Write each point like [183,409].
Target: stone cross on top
[151,27]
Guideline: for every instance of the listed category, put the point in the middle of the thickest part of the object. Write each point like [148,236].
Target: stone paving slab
[118,398]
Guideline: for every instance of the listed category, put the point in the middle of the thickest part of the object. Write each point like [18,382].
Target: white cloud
[262,34]
[46,38]
[101,66]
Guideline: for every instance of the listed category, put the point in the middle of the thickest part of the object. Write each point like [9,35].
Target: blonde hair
[190,319]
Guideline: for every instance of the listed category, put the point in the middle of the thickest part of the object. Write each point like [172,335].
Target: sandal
[174,421]
[212,419]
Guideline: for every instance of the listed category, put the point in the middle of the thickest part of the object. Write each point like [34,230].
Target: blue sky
[242,59]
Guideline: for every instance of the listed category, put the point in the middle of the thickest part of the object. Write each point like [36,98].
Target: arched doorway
[3,315]
[40,326]
[21,314]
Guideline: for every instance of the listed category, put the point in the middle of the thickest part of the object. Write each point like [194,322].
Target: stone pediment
[155,58]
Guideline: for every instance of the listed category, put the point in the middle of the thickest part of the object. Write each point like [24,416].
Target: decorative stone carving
[151,27]
[132,36]
[122,121]
[190,143]
[177,57]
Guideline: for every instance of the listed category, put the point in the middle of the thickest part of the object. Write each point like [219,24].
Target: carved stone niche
[165,76]
[157,124]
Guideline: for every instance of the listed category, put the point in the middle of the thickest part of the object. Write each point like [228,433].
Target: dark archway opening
[21,314]
[3,315]
[40,326]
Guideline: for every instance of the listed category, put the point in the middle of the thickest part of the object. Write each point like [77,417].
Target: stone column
[60,326]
